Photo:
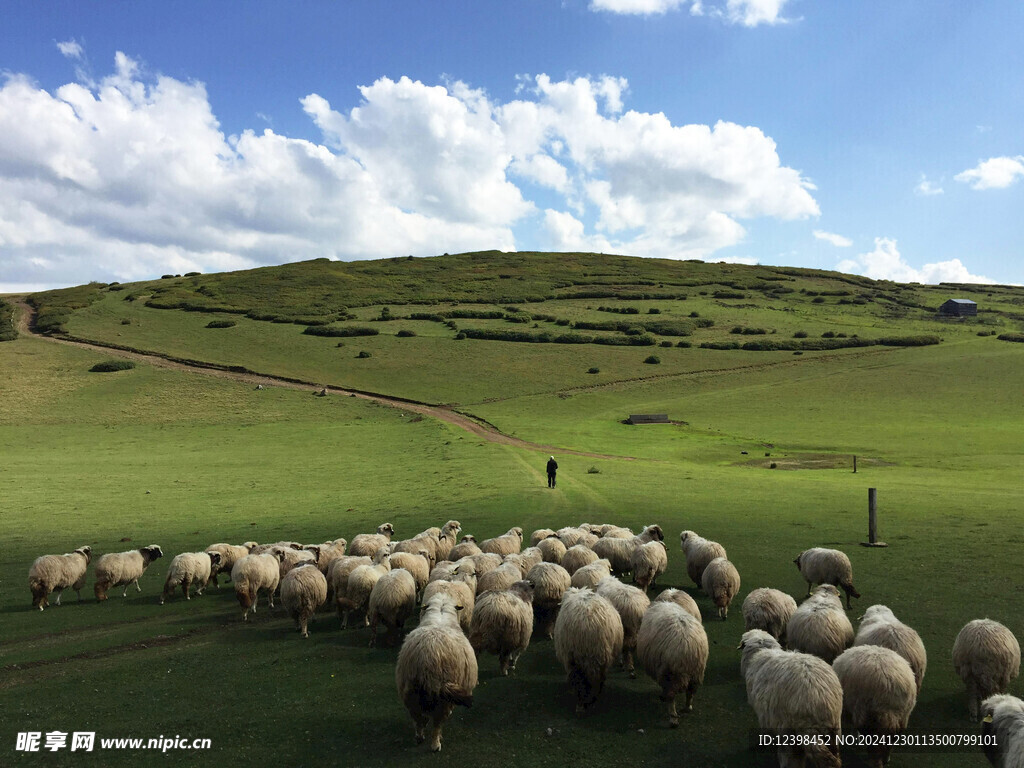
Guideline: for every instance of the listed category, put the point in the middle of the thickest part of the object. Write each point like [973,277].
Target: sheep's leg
[973,701]
[690,691]
[58,592]
[673,715]
[809,588]
[373,631]
[515,657]
[302,628]
[420,720]
[271,598]
[627,658]
[504,660]
[137,587]
[344,620]
[438,716]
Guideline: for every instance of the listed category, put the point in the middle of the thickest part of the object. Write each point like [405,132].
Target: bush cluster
[1011,336]
[221,324]
[335,331]
[109,366]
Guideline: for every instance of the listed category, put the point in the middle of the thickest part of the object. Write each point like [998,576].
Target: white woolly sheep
[680,598]
[589,576]
[576,557]
[588,640]
[501,578]
[615,532]
[253,573]
[699,552]
[503,623]
[550,581]
[419,543]
[648,562]
[619,550]
[367,544]
[436,669]
[392,601]
[631,603]
[770,610]
[485,561]
[721,582]
[539,535]
[506,544]
[329,552]
[446,540]
[465,548]
[55,573]
[461,590]
[879,693]
[360,584]
[116,569]
[672,647]
[793,693]
[1002,721]
[293,557]
[552,550]
[262,549]
[531,556]
[303,590]
[986,655]
[418,566]
[570,536]
[879,626]
[187,569]
[820,626]
[337,577]
[229,555]
[827,566]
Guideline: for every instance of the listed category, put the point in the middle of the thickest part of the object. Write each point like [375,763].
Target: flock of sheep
[804,666]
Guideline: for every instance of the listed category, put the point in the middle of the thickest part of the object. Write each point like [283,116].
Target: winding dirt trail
[477,427]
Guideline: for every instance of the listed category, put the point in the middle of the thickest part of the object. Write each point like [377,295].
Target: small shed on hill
[648,418]
[959,308]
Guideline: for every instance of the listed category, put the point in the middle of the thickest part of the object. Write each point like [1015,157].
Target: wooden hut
[959,308]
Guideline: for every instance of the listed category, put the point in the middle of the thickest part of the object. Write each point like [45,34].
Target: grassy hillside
[184,459]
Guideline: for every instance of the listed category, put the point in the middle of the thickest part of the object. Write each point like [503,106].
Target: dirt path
[477,427]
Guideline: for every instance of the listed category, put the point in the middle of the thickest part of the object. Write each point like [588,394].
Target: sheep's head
[214,559]
[279,553]
[797,561]
[85,552]
[315,549]
[250,545]
[387,529]
[877,613]
[826,590]
[152,552]
[656,533]
[518,532]
[523,590]
[469,538]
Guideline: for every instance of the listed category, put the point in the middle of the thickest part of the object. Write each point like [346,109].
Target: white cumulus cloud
[886,263]
[71,49]
[751,13]
[829,237]
[748,13]
[132,176]
[994,173]
[927,188]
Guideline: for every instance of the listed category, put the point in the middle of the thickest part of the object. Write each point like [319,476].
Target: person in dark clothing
[552,468]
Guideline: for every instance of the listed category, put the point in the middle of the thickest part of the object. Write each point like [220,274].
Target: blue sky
[881,138]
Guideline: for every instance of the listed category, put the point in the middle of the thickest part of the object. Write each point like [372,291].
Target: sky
[881,138]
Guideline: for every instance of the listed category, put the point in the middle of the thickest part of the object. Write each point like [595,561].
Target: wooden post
[873,520]
[855,465]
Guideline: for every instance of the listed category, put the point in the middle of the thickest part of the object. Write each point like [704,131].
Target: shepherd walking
[552,469]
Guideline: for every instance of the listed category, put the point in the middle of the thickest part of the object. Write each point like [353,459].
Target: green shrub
[652,360]
[653,311]
[828,335]
[221,324]
[7,330]
[665,344]
[1011,336]
[363,354]
[593,471]
[683,344]
[695,314]
[720,345]
[460,335]
[405,334]
[593,370]
[573,338]
[909,341]
[729,295]
[670,327]
[800,335]
[818,300]
[112,365]
[326,330]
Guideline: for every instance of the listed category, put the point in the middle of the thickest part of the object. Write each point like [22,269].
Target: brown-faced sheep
[576,557]
[187,569]
[820,626]
[672,648]
[252,573]
[986,655]
[436,669]
[552,550]
[550,581]
[392,602]
[503,623]
[721,582]
[588,640]
[506,544]
[631,603]
[466,547]
[770,610]
[360,583]
[699,552]
[680,598]
[1002,723]
[793,693]
[229,555]
[55,573]
[303,590]
[116,569]
[648,562]
[879,626]
[589,576]
[879,693]
[827,566]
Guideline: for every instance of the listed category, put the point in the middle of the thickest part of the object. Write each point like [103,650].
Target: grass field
[185,459]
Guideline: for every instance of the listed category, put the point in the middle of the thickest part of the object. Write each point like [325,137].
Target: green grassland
[185,459]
